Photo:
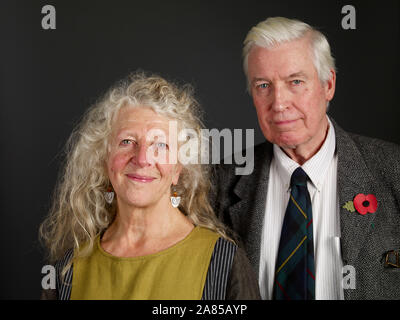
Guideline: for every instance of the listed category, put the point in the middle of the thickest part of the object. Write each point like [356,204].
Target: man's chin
[287,142]
[285,139]
[288,146]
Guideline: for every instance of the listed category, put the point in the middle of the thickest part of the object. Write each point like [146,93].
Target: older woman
[130,219]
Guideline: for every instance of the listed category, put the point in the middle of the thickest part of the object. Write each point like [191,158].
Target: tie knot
[299,178]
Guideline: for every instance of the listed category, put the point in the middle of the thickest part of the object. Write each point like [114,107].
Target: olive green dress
[178,272]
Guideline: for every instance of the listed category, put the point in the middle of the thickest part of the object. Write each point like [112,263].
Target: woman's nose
[142,156]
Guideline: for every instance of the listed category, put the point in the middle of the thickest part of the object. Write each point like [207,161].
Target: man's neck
[302,153]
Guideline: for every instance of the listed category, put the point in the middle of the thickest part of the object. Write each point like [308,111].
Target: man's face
[289,98]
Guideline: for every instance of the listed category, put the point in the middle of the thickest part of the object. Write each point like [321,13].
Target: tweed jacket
[365,165]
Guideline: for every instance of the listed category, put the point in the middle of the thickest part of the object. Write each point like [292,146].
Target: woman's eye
[161,145]
[126,142]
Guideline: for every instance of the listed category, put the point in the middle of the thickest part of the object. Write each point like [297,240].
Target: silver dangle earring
[175,200]
[109,195]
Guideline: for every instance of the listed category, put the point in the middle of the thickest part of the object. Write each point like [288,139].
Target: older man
[320,201]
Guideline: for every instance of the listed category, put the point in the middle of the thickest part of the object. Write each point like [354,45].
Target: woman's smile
[140,178]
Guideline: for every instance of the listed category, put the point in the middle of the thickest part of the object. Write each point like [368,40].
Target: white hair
[277,30]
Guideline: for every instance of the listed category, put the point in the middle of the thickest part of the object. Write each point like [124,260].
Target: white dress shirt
[322,171]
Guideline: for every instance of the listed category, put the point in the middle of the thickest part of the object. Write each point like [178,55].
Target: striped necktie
[295,272]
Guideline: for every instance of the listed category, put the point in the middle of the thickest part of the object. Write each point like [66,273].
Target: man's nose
[280,96]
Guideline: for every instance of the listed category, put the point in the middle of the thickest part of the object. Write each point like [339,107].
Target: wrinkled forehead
[140,119]
[144,124]
[284,59]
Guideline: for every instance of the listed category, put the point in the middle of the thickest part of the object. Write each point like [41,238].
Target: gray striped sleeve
[219,269]
[64,285]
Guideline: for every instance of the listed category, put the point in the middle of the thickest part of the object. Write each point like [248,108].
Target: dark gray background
[49,77]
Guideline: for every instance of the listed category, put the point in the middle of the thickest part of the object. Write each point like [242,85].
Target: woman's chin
[137,201]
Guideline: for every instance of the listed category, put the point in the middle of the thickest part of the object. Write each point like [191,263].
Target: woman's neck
[138,231]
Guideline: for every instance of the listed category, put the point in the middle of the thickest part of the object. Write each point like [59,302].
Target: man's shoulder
[382,158]
[261,152]
[227,182]
[376,148]
[369,142]
[368,147]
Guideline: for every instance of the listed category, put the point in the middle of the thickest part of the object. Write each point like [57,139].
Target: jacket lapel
[353,178]
[247,214]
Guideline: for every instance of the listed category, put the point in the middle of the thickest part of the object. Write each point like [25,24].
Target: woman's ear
[175,177]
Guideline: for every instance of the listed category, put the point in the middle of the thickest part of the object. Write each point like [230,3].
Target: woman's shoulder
[203,232]
[230,274]
[63,281]
[223,248]
[65,259]
[219,269]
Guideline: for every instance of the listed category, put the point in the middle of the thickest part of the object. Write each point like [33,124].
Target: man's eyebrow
[300,74]
[259,79]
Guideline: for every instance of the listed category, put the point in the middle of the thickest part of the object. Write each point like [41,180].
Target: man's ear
[330,86]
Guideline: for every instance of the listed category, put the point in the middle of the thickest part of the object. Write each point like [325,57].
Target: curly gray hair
[79,211]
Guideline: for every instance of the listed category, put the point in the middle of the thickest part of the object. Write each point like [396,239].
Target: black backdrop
[49,77]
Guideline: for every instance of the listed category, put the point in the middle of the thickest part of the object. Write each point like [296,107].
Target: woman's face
[138,161]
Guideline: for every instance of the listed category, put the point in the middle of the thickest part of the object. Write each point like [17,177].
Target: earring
[109,195]
[175,200]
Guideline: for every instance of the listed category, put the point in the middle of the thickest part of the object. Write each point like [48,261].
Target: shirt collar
[316,167]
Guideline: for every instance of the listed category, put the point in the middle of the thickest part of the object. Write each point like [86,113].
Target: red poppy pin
[362,203]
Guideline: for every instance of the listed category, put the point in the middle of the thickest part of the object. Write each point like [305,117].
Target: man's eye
[263,85]
[296,82]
